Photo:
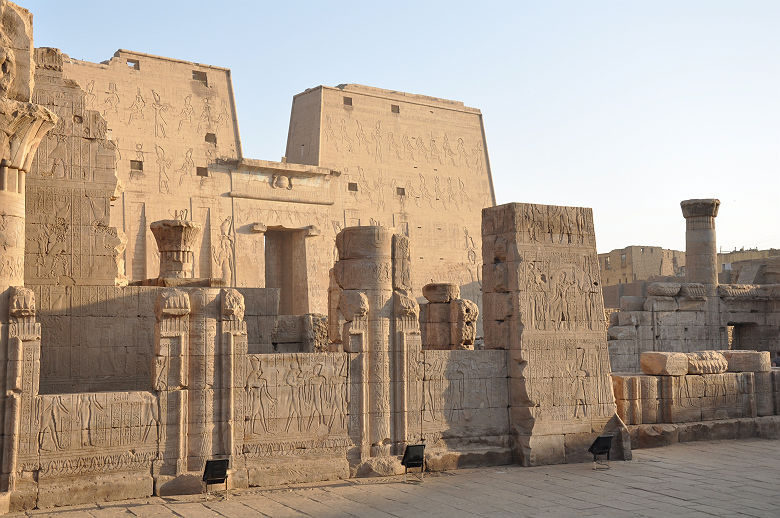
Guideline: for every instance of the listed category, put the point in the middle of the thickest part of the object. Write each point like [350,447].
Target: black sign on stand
[215,472]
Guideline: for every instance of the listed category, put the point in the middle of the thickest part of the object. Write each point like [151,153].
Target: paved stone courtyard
[718,478]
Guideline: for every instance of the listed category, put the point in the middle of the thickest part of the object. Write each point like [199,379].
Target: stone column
[176,241]
[170,379]
[23,126]
[22,382]
[404,348]
[364,272]
[232,356]
[701,253]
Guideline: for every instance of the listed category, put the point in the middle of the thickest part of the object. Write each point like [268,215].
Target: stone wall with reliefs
[543,303]
[414,163]
[73,234]
[170,121]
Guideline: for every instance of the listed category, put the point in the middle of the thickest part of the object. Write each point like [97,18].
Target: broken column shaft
[701,253]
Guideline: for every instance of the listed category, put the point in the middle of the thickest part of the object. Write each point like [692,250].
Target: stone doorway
[744,335]
[285,268]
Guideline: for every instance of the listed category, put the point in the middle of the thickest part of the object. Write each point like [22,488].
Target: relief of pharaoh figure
[259,398]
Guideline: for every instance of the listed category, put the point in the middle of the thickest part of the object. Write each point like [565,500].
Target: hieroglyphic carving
[137,108]
[159,108]
[163,164]
[543,259]
[301,395]
[464,390]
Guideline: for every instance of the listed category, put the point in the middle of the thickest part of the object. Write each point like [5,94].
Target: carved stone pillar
[543,303]
[22,382]
[373,316]
[404,348]
[23,125]
[365,269]
[701,253]
[231,360]
[170,377]
[176,241]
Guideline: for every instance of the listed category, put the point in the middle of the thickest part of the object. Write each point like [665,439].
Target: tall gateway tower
[414,163]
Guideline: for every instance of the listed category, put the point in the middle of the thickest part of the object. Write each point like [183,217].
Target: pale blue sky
[624,106]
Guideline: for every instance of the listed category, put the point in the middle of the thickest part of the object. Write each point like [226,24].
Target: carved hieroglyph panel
[542,277]
[464,393]
[89,432]
[298,397]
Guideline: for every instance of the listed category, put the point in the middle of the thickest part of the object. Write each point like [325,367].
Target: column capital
[707,207]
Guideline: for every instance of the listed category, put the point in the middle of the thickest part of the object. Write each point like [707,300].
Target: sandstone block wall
[389,158]
[543,303]
[643,399]
[72,232]
[413,163]
[678,317]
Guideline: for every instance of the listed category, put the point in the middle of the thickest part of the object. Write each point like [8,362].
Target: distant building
[625,271]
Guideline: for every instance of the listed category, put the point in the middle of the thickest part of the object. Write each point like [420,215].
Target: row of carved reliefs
[543,302]
[536,224]
[71,234]
[463,394]
[296,395]
[645,399]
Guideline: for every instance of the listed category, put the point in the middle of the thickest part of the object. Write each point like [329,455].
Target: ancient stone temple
[696,313]
[165,301]
[694,357]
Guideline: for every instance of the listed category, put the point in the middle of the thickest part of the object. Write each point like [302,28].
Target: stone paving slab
[695,479]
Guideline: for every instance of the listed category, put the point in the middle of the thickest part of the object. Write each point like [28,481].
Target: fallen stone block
[748,361]
[706,362]
[657,363]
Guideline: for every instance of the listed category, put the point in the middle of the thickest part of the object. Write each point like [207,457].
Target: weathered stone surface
[748,361]
[657,435]
[176,240]
[706,362]
[441,292]
[544,256]
[664,364]
[663,289]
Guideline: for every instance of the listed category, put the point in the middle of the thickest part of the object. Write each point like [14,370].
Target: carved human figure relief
[259,400]
[111,101]
[137,108]
[187,167]
[163,164]
[159,108]
[187,112]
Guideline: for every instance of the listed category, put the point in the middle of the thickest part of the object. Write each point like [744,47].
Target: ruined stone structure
[695,314]
[703,395]
[543,303]
[447,321]
[355,156]
[628,271]
[154,316]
